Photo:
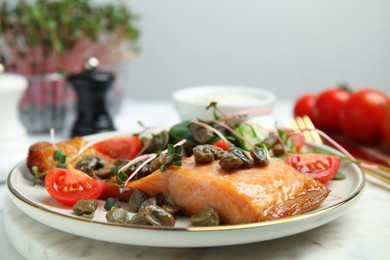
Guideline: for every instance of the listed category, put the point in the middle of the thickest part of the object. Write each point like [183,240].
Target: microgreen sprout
[217,113]
[173,157]
[146,158]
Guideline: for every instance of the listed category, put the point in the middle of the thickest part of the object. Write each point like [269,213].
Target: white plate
[35,202]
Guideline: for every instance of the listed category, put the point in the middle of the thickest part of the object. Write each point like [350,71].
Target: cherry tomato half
[363,116]
[305,106]
[222,144]
[321,167]
[328,109]
[70,185]
[120,147]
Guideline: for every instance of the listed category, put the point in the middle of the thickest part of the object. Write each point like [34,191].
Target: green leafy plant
[50,36]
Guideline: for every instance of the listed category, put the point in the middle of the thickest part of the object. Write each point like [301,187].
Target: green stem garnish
[37,174]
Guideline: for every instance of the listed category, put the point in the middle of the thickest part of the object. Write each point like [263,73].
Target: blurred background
[156,47]
[289,47]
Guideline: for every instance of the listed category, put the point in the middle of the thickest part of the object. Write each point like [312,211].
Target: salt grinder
[91,87]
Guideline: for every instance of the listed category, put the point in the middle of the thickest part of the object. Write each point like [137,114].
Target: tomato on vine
[328,109]
[364,114]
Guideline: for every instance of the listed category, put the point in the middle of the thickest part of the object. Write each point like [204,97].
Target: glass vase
[48,102]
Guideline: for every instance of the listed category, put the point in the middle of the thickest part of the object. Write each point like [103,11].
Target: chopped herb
[111,202]
[60,157]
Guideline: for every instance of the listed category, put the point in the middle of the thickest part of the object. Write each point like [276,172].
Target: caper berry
[260,155]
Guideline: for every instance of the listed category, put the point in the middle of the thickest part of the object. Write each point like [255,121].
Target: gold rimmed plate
[36,203]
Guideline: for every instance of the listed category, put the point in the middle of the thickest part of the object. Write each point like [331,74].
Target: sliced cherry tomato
[328,109]
[305,106]
[120,147]
[363,115]
[321,167]
[222,144]
[70,185]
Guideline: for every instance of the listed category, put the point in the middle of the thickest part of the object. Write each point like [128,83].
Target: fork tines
[305,126]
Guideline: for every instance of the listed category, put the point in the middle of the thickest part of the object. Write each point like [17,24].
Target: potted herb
[46,39]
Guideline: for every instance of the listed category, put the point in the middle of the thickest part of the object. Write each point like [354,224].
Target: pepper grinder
[91,87]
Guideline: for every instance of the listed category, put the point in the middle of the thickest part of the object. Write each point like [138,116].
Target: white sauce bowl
[191,102]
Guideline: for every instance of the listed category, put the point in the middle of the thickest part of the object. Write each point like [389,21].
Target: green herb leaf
[181,131]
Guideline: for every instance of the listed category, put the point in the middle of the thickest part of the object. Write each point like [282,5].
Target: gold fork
[307,128]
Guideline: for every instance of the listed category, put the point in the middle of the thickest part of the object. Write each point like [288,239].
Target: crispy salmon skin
[41,154]
[242,196]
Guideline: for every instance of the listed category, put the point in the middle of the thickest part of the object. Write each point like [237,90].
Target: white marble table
[363,232]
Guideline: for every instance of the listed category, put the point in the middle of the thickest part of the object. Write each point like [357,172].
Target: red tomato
[363,116]
[222,144]
[70,185]
[321,167]
[305,106]
[386,126]
[120,147]
[328,109]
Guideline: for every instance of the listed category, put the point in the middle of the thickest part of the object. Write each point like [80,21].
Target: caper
[278,149]
[230,161]
[270,140]
[136,199]
[206,217]
[159,141]
[89,163]
[85,208]
[102,173]
[242,155]
[117,215]
[200,133]
[172,209]
[157,162]
[260,155]
[152,201]
[139,219]
[156,216]
[207,153]
[202,155]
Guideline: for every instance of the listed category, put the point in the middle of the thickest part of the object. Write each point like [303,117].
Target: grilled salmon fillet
[241,196]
